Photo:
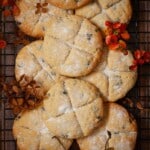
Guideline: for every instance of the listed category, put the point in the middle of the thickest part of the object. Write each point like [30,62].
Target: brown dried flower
[22,95]
[41,8]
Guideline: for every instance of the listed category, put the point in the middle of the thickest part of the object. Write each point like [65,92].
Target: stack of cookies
[81,76]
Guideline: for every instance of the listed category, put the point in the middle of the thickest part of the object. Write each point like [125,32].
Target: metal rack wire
[139,28]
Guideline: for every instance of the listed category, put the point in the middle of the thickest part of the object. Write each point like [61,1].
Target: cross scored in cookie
[101,10]
[72,51]
[71,108]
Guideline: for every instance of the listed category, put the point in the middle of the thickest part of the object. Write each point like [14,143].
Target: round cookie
[118,131]
[73,108]
[34,14]
[31,133]
[112,76]
[30,62]
[100,11]
[72,45]
[69,4]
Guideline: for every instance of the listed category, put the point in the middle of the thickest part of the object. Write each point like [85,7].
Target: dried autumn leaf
[16,10]
[139,106]
[20,101]
[125,35]
[2,44]
[23,98]
[7,13]
[111,39]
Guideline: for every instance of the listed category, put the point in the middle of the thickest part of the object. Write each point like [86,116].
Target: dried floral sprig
[116,35]
[41,8]
[10,8]
[140,57]
[24,94]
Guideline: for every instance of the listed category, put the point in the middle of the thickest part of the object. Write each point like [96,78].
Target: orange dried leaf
[122,44]
[113,46]
[139,106]
[125,35]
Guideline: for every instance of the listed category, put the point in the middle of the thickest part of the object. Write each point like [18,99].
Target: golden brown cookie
[73,108]
[31,133]
[99,11]
[118,131]
[72,45]
[34,14]
[112,76]
[31,62]
[69,4]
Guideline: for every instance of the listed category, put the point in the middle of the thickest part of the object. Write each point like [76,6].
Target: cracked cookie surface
[31,133]
[112,76]
[30,62]
[72,45]
[34,14]
[100,11]
[118,131]
[69,4]
[73,108]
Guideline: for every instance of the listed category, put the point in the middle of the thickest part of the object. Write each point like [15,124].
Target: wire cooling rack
[139,29]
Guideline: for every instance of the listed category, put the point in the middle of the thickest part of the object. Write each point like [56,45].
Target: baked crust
[100,11]
[69,4]
[72,45]
[31,133]
[112,76]
[31,62]
[118,131]
[34,14]
[73,108]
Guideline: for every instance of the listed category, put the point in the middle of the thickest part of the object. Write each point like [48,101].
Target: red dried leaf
[123,27]
[122,44]
[116,25]
[138,54]
[111,39]
[2,44]
[7,3]
[133,67]
[7,13]
[113,46]
[108,23]
[147,57]
[15,10]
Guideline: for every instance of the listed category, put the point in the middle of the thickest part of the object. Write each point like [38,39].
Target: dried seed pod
[16,110]
[13,102]
[139,106]
[45,4]
[31,102]
[44,10]
[20,101]
[15,89]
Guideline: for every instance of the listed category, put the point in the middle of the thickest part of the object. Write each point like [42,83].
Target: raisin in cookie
[31,133]
[118,131]
[73,108]
[30,62]
[112,76]
[99,11]
[69,4]
[72,45]
[34,14]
